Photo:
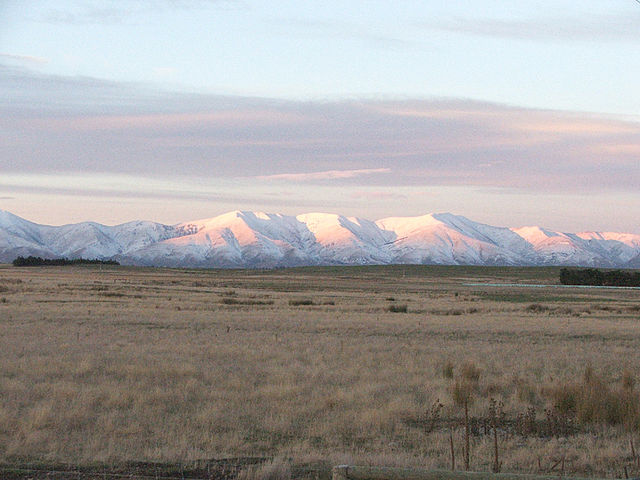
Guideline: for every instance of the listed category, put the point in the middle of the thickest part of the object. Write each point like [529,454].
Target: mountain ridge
[246,239]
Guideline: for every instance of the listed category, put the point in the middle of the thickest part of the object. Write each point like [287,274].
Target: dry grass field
[367,365]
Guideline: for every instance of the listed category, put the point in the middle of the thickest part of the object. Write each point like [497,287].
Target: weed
[525,422]
[431,416]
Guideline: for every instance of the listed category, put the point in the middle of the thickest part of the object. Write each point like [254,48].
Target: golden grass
[115,364]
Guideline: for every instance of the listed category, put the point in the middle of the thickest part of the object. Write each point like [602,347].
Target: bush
[398,308]
[447,370]
[470,372]
[593,401]
[300,301]
[537,308]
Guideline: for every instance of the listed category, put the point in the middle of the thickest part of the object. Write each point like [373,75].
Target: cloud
[164,72]
[612,27]
[27,59]
[344,31]
[113,12]
[376,195]
[327,175]
[55,124]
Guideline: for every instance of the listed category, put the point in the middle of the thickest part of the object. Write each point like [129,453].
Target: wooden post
[453,452]
[467,447]
[496,462]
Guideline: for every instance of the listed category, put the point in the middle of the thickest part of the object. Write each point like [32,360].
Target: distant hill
[242,239]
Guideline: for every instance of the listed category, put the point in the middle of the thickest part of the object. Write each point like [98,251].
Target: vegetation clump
[32,261]
[398,308]
[294,302]
[599,278]
[593,401]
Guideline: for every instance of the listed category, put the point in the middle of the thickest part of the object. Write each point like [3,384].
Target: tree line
[32,261]
[600,278]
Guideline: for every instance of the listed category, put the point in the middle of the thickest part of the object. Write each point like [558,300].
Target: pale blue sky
[556,54]
[509,112]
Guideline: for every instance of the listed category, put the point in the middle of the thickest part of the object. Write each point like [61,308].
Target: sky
[509,113]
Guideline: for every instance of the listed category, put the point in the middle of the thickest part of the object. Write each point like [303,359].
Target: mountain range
[242,239]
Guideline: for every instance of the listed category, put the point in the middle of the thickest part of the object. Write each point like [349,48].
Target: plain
[338,364]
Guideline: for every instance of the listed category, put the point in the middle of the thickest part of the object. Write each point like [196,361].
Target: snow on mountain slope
[235,239]
[587,249]
[621,247]
[19,237]
[348,240]
[451,239]
[86,240]
[19,227]
[265,240]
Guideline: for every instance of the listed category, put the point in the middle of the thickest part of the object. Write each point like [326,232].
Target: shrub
[447,370]
[593,401]
[537,308]
[300,301]
[470,372]
[398,308]
[235,301]
[462,393]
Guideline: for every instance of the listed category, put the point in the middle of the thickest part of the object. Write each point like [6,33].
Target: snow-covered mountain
[265,240]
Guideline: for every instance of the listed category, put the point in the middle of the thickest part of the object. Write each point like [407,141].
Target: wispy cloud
[26,59]
[376,195]
[112,12]
[343,30]
[587,27]
[326,175]
[121,187]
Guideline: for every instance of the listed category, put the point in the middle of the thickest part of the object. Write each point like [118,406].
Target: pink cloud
[326,175]
[376,195]
[170,120]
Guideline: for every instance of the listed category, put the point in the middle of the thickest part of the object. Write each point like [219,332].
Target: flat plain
[361,365]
